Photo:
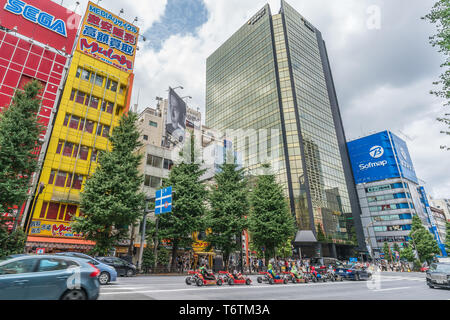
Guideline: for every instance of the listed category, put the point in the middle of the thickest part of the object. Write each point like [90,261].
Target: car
[326,262]
[123,268]
[438,275]
[48,277]
[107,273]
[353,272]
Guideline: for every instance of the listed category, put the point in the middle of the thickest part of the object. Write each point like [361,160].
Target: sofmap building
[388,191]
[36,41]
[271,82]
[96,94]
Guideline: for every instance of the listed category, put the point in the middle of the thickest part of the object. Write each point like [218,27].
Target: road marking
[235,287]
[399,288]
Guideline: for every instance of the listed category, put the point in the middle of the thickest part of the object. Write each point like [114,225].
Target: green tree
[285,250]
[440,16]
[19,140]
[396,248]
[188,203]
[11,243]
[424,243]
[112,200]
[148,257]
[270,221]
[320,234]
[387,252]
[447,237]
[407,254]
[228,210]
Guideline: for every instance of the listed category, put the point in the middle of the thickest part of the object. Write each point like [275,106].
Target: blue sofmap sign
[373,158]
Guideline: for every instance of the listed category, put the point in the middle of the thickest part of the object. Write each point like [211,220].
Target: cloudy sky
[382,63]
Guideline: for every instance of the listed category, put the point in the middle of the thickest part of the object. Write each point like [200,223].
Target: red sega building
[36,42]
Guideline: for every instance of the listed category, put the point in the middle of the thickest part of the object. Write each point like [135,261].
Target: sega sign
[379,157]
[35,15]
[41,20]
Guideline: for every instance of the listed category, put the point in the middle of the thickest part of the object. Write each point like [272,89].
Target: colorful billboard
[176,117]
[380,156]
[42,20]
[108,38]
[50,228]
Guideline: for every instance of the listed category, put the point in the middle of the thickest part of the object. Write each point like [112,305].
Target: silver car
[438,276]
[48,277]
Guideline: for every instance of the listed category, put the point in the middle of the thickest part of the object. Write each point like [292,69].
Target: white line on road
[398,288]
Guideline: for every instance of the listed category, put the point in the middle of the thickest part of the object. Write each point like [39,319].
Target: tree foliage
[11,243]
[447,237]
[188,203]
[111,200]
[228,210]
[270,221]
[440,16]
[423,241]
[387,252]
[19,138]
[407,254]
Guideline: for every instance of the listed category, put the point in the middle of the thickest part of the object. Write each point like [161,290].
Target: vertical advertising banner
[176,117]
[42,20]
[404,159]
[108,38]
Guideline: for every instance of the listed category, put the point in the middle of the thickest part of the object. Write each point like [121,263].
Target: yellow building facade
[96,94]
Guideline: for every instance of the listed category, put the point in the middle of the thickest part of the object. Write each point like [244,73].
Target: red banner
[42,20]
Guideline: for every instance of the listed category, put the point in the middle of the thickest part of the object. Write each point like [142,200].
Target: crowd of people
[187,262]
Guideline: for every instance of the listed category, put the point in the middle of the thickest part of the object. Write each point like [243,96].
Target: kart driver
[237,275]
[295,271]
[270,270]
[205,273]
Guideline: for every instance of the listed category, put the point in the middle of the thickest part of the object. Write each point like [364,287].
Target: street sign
[353,259]
[40,250]
[163,201]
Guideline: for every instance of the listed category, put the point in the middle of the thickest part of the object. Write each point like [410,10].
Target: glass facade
[270,75]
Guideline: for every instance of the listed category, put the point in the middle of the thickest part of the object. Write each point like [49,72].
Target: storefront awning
[59,243]
[304,237]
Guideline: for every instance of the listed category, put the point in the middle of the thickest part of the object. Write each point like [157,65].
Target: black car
[353,273]
[438,276]
[123,268]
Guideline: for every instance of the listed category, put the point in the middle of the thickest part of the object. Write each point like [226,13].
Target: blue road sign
[163,202]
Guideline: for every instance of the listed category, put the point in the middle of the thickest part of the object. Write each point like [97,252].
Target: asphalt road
[383,286]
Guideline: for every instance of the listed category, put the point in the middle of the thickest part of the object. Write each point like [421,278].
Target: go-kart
[231,279]
[291,277]
[267,277]
[200,280]
[192,277]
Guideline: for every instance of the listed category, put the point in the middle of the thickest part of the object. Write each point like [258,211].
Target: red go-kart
[200,280]
[291,277]
[232,279]
[267,277]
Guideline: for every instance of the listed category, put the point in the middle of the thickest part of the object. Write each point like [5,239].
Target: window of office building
[168,164]
[154,161]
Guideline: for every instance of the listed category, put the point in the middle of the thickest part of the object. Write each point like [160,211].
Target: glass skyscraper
[274,74]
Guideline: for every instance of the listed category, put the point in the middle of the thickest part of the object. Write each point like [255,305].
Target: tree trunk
[174,254]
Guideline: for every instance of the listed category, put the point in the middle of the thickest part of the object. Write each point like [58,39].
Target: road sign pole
[156,244]
[144,225]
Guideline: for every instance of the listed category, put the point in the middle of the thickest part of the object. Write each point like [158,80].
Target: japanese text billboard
[108,38]
[42,20]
